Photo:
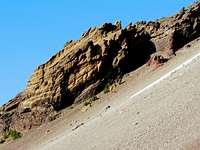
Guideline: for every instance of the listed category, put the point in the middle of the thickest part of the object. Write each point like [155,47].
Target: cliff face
[102,55]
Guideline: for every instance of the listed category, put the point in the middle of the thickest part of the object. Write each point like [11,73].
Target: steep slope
[137,105]
[164,116]
[101,57]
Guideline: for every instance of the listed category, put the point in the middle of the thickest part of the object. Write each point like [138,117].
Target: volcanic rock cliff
[101,56]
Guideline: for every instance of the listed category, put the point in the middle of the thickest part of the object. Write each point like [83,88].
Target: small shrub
[13,134]
[93,98]
[87,103]
[90,100]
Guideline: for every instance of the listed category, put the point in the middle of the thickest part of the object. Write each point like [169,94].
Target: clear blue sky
[31,31]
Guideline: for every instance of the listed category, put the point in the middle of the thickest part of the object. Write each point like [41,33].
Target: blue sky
[31,31]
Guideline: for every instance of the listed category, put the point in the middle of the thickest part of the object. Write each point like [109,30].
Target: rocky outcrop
[102,55]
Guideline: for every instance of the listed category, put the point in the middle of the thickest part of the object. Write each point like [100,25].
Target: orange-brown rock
[82,68]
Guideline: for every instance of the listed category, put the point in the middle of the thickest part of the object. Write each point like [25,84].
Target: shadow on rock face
[139,51]
[114,57]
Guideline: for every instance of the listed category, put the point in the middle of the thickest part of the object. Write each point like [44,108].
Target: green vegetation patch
[90,100]
[10,134]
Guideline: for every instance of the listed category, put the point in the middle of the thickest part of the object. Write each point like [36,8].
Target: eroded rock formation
[102,55]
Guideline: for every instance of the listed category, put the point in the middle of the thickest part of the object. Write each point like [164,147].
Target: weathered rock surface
[102,55]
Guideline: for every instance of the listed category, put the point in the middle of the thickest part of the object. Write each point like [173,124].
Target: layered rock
[102,55]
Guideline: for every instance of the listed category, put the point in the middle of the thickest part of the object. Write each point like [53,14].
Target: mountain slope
[157,111]
[165,116]
[100,58]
